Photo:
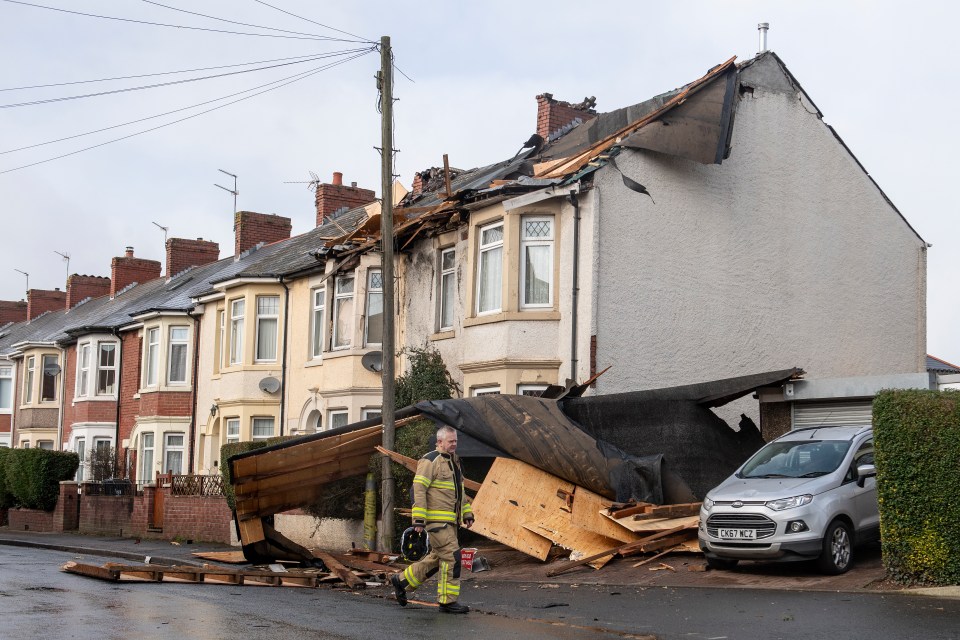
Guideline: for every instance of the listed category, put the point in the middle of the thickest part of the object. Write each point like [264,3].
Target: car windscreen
[796,459]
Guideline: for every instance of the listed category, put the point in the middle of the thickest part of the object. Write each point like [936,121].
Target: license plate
[738,534]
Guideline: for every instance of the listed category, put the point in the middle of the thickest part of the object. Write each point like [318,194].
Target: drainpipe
[575,293]
[283,355]
[116,429]
[193,412]
[63,393]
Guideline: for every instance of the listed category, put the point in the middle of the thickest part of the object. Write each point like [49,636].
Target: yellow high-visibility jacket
[438,490]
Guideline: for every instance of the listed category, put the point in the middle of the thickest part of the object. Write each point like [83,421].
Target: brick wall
[82,287]
[12,311]
[183,253]
[554,114]
[197,518]
[109,515]
[30,520]
[40,301]
[251,228]
[126,269]
[166,403]
[332,197]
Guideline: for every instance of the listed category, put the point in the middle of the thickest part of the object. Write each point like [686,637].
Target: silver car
[809,494]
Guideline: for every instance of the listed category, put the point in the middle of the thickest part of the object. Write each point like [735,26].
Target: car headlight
[707,504]
[790,503]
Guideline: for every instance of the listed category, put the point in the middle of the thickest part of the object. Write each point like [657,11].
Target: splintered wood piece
[661,567]
[411,464]
[652,558]
[670,511]
[229,557]
[587,513]
[640,507]
[621,550]
[342,572]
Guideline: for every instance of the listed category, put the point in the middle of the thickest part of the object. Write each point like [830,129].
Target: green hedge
[917,435]
[33,476]
[6,498]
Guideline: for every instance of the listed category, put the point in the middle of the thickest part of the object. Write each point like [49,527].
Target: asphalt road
[37,600]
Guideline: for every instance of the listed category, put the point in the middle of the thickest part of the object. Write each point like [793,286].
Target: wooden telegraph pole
[389,335]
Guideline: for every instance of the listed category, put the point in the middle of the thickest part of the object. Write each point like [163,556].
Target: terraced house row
[712,231]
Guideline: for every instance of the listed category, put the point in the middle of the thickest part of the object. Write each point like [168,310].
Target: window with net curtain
[319,302]
[153,356]
[146,458]
[177,357]
[237,310]
[6,387]
[374,307]
[262,428]
[106,368]
[28,380]
[536,268]
[490,267]
[268,314]
[233,429]
[173,453]
[343,311]
[447,289]
[83,369]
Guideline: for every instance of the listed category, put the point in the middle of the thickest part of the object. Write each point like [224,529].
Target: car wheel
[837,553]
[722,563]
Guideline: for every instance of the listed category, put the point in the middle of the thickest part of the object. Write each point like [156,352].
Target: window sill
[314,362]
[443,335]
[505,316]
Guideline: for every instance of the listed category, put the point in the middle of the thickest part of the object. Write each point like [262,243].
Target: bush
[34,475]
[917,435]
[6,498]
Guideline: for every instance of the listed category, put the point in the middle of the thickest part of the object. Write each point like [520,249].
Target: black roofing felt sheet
[535,431]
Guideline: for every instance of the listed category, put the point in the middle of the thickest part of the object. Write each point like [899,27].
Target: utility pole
[385,80]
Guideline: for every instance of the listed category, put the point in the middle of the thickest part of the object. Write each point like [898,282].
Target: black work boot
[454,607]
[399,589]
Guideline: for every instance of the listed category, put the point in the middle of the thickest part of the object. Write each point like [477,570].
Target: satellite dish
[373,361]
[52,370]
[269,384]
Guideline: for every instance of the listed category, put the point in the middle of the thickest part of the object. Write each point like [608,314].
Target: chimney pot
[337,178]
[763,27]
[129,252]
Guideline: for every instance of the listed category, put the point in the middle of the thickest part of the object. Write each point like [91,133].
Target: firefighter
[439,506]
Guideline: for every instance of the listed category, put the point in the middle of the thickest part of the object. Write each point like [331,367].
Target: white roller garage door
[816,414]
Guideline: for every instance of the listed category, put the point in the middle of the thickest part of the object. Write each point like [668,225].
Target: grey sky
[881,72]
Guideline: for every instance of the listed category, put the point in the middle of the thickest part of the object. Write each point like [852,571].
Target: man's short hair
[445,431]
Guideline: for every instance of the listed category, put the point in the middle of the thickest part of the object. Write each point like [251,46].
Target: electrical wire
[173,82]
[180,26]
[161,73]
[153,117]
[313,21]
[242,24]
[303,75]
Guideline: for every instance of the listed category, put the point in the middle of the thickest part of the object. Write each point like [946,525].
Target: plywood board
[581,542]
[638,526]
[586,514]
[515,493]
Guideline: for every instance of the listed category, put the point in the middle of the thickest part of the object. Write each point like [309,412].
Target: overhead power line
[298,77]
[172,82]
[180,26]
[313,21]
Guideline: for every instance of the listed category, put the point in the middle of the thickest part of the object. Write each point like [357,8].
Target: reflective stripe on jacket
[438,490]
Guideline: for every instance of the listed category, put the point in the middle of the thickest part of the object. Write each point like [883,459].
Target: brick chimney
[335,196]
[82,287]
[126,270]
[12,311]
[251,228]
[555,114]
[183,253]
[40,301]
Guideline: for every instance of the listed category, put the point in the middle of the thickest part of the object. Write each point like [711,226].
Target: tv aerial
[312,184]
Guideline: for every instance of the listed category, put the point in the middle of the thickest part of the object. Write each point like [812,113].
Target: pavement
[507,565]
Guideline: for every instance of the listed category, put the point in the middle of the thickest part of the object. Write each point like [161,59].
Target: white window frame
[221,339]
[151,370]
[169,448]
[147,457]
[523,389]
[238,309]
[80,447]
[264,317]
[262,419]
[232,428]
[185,343]
[484,249]
[445,302]
[371,412]
[29,373]
[339,298]
[318,297]
[99,368]
[83,369]
[526,243]
[489,390]
[43,376]
[371,294]
[333,415]
[6,373]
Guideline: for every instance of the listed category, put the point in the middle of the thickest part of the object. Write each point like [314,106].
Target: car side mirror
[865,471]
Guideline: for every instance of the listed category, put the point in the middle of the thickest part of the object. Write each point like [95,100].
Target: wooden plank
[342,572]
[354,463]
[670,511]
[229,557]
[411,464]
[91,571]
[658,545]
[626,548]
[514,493]
[285,501]
[642,507]
[557,528]
[642,526]
[588,512]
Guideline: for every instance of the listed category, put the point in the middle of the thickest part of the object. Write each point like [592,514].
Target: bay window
[173,453]
[152,357]
[447,289]
[374,332]
[262,428]
[268,314]
[237,310]
[343,311]
[28,380]
[48,383]
[177,356]
[490,269]
[233,430]
[83,369]
[106,368]
[536,262]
